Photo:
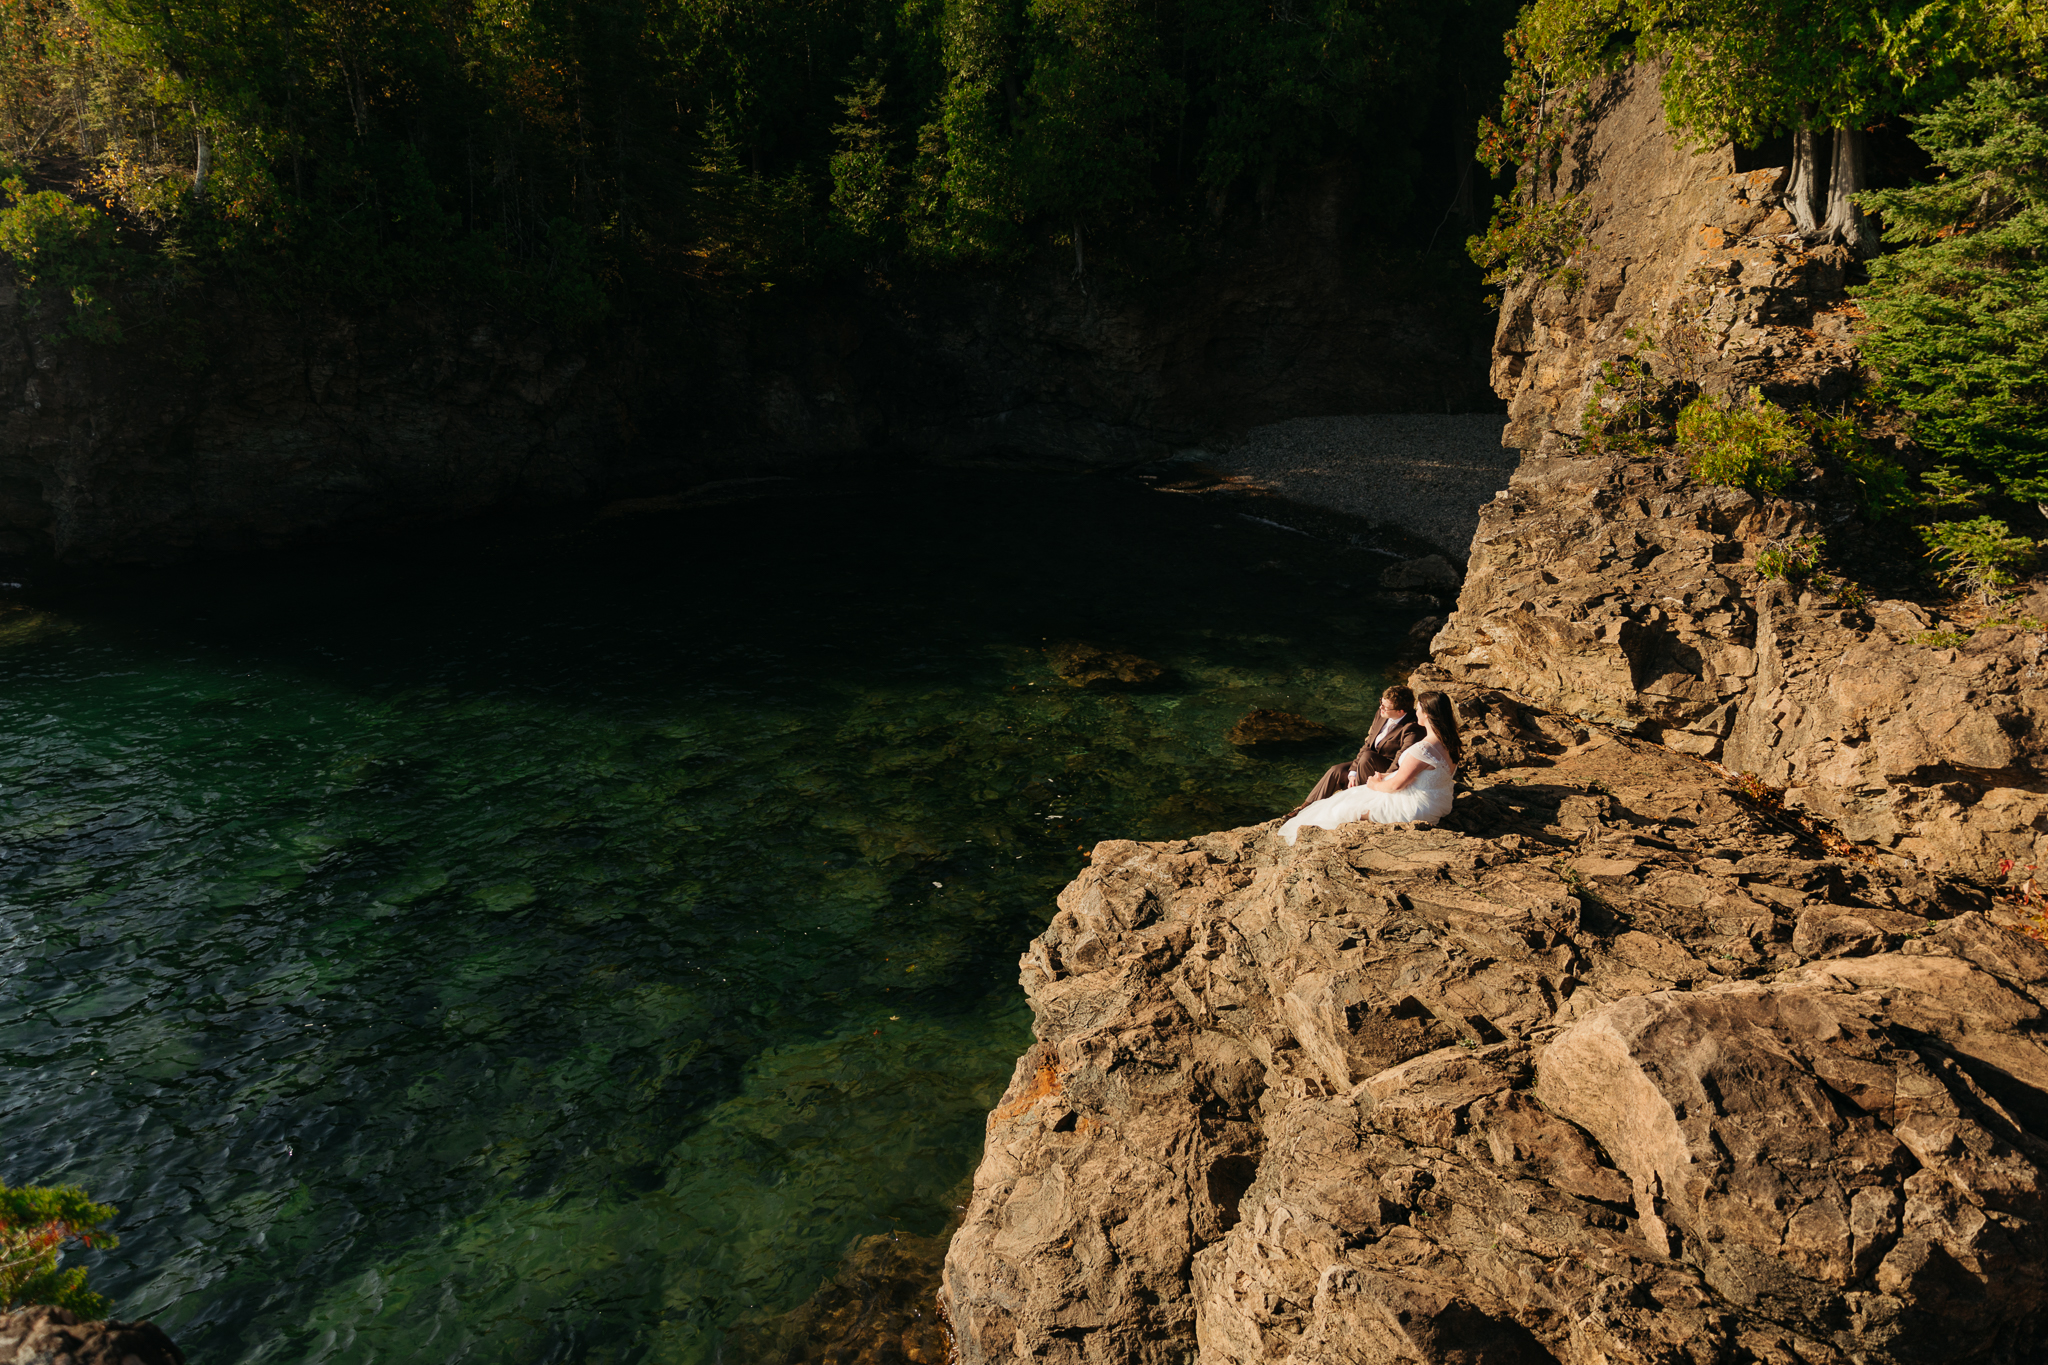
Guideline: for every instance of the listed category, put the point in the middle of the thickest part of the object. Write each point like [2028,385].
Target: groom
[1393,729]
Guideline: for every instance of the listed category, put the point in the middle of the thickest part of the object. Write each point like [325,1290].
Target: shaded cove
[519,947]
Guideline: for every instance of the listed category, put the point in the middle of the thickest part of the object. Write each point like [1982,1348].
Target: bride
[1417,788]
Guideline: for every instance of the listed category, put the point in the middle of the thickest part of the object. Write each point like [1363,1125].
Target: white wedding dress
[1427,797]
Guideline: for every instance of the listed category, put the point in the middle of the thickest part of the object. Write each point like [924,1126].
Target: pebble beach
[1427,473]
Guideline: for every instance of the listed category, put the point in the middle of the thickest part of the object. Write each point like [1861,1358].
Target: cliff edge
[1630,1061]
[1642,1073]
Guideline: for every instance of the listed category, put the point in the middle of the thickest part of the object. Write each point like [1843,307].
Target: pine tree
[35,1225]
[1961,303]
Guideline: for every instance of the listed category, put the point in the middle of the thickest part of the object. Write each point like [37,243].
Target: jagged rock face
[252,425]
[1621,1070]
[1617,588]
[1626,593]
[56,1336]
[1619,1066]
[1938,752]
[1680,246]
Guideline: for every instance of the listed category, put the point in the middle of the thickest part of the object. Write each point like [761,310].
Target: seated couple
[1403,773]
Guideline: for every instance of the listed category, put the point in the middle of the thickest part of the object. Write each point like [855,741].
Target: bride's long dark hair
[1443,720]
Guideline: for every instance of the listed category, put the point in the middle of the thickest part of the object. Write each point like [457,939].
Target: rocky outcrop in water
[233,424]
[57,1336]
[1632,1060]
[1621,1068]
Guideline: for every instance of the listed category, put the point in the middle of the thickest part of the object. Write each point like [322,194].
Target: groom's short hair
[1398,697]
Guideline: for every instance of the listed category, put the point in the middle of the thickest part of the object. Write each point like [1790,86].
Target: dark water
[559,948]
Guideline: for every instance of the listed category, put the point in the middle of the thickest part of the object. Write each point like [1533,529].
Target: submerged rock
[1091,666]
[1263,727]
[1624,1068]
[879,1309]
[44,1336]
[1430,574]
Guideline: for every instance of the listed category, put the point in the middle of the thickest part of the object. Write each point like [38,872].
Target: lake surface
[545,947]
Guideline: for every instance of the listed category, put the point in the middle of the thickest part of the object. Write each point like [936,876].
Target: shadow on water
[561,948]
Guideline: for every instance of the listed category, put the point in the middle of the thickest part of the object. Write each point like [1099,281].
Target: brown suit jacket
[1382,756]
[1372,758]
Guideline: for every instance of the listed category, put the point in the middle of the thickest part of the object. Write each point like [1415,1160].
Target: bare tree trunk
[1080,263]
[203,163]
[1845,222]
[1802,191]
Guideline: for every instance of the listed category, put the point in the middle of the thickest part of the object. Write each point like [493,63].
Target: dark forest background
[578,159]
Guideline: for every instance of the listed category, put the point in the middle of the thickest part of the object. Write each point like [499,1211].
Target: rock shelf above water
[1625,1068]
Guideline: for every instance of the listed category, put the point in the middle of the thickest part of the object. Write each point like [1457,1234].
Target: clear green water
[562,948]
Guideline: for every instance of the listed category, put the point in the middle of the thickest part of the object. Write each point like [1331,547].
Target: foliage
[1799,562]
[1551,63]
[1545,239]
[35,1224]
[568,158]
[1743,70]
[1098,101]
[2023,622]
[1629,404]
[1980,554]
[1756,791]
[1554,50]
[2034,490]
[64,253]
[1961,302]
[1884,488]
[1758,447]
[2022,894]
[1793,562]
[1947,487]
[865,174]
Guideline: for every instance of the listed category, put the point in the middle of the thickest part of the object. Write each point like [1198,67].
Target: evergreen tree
[1961,303]
[35,1226]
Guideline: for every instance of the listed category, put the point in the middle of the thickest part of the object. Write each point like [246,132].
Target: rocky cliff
[1629,1061]
[56,1336]
[1614,587]
[231,424]
[1616,1067]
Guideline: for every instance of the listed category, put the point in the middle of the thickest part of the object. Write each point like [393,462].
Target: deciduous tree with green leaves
[1745,70]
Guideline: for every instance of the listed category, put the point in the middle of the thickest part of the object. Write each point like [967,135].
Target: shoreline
[1427,473]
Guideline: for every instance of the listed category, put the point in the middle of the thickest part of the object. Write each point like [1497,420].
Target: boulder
[1096,668]
[58,1336]
[1263,727]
